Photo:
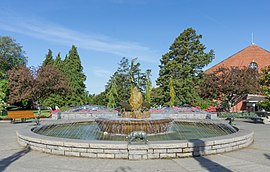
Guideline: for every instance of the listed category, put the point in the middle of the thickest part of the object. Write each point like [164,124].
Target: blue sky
[107,30]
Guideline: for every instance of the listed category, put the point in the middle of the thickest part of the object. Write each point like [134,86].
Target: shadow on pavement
[4,163]
[204,162]
[267,156]
[123,169]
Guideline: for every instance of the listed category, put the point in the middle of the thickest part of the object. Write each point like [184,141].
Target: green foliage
[73,70]
[172,93]
[148,91]
[3,104]
[11,54]
[126,77]
[100,99]
[264,81]
[48,59]
[203,103]
[245,115]
[183,63]
[265,104]
[111,96]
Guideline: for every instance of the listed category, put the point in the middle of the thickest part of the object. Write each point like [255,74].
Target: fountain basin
[128,125]
[122,150]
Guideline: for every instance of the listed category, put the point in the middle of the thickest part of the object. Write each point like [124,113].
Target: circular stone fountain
[105,137]
[134,118]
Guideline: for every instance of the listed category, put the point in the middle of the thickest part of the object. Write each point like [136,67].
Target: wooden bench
[20,114]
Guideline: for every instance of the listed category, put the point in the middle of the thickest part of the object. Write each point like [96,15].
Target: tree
[229,83]
[172,93]
[48,59]
[20,84]
[126,77]
[183,63]
[264,81]
[74,72]
[35,84]
[3,103]
[111,96]
[11,54]
[58,63]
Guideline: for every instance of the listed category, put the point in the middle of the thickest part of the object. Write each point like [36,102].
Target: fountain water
[134,117]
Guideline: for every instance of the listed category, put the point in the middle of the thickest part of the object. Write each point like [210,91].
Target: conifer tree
[48,59]
[74,73]
[183,63]
[112,94]
[58,62]
[172,93]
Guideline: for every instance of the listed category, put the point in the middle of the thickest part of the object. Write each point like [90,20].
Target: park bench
[20,114]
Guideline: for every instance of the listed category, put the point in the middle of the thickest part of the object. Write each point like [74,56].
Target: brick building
[251,56]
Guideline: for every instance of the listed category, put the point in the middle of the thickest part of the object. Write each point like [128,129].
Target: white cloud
[65,36]
[100,72]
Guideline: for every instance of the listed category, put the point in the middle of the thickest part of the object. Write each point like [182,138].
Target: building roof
[252,53]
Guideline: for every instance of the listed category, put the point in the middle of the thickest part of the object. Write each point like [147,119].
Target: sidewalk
[14,158]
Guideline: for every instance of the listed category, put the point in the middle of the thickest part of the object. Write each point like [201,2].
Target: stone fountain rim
[122,150]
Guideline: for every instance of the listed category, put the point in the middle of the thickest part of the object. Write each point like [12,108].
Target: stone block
[167,155]
[107,156]
[160,150]
[121,156]
[135,157]
[52,142]
[78,149]
[228,149]
[182,155]
[58,152]
[221,150]
[52,147]
[137,152]
[116,151]
[153,156]
[95,150]
[46,150]
[207,152]
[185,150]
[137,147]
[168,145]
[64,148]
[108,146]
[89,155]
[76,144]
[68,153]
[174,150]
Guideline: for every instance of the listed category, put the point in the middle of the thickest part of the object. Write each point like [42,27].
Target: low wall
[123,150]
[184,115]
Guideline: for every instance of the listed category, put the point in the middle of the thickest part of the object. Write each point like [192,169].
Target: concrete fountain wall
[182,115]
[122,150]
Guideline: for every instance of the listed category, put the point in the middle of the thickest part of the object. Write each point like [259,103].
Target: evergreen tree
[183,63]
[48,59]
[172,93]
[148,87]
[111,96]
[126,77]
[74,72]
[58,62]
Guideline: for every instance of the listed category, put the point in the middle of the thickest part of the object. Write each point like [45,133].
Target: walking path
[14,158]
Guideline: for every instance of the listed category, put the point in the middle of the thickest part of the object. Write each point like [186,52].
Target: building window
[253,65]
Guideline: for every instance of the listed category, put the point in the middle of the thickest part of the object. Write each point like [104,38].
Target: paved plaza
[14,158]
